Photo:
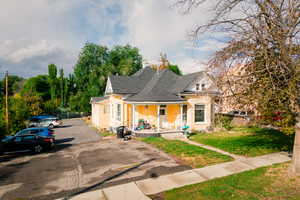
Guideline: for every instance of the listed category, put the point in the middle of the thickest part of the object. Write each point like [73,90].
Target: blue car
[44,132]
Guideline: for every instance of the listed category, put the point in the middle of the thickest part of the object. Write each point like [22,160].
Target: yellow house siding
[173,115]
[129,115]
[147,112]
[107,119]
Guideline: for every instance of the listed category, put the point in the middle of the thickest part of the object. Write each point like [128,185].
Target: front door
[163,116]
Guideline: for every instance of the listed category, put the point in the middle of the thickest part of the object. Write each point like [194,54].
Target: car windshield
[7,138]
[22,132]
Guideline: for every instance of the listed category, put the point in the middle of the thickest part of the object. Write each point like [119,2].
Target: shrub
[224,121]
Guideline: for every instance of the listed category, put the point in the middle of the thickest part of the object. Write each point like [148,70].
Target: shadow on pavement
[64,140]
[59,145]
[64,126]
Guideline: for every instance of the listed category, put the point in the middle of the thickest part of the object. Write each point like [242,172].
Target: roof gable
[108,88]
[131,84]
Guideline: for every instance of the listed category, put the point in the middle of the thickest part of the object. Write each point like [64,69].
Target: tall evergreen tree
[62,85]
[52,72]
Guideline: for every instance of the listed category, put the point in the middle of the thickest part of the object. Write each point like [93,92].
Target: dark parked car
[34,143]
[45,132]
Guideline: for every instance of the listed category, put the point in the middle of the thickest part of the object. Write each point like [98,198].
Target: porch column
[158,119]
[122,114]
[181,116]
[133,116]
[125,114]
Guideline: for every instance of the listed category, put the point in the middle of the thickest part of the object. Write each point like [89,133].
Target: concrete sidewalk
[139,189]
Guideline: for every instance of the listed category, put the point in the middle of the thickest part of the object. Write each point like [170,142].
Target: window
[23,132]
[202,86]
[106,109]
[119,112]
[29,138]
[162,110]
[18,139]
[184,113]
[199,113]
[35,131]
[197,86]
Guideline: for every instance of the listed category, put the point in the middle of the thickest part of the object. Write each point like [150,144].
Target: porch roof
[155,103]
[98,99]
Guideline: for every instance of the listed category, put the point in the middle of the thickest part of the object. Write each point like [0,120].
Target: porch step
[147,134]
[173,136]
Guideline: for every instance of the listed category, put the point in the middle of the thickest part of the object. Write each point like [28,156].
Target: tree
[263,37]
[94,65]
[90,59]
[52,72]
[38,85]
[62,85]
[125,60]
[175,69]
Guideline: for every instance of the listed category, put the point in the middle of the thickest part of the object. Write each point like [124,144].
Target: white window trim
[205,121]
[118,117]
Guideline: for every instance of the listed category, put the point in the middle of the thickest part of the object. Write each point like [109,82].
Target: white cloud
[41,48]
[154,28]
[41,32]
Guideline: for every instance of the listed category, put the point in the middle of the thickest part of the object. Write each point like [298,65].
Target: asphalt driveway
[81,159]
[75,131]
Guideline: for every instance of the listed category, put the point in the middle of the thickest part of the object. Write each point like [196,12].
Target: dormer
[199,84]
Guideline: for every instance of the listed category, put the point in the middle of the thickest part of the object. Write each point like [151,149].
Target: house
[162,98]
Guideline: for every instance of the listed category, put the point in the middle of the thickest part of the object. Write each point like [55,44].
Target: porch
[153,119]
[154,133]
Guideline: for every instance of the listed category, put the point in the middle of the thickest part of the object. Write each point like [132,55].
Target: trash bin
[120,131]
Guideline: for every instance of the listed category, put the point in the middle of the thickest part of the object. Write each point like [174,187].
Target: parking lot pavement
[77,164]
[75,131]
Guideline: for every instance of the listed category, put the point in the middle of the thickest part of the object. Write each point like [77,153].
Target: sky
[35,33]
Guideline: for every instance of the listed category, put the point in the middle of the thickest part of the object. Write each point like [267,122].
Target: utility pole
[6,100]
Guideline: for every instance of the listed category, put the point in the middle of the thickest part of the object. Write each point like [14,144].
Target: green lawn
[106,134]
[259,184]
[189,154]
[247,141]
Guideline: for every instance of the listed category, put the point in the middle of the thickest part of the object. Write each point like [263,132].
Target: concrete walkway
[180,136]
[139,189]
[236,157]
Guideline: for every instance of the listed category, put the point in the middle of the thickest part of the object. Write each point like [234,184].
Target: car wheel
[37,149]
[51,126]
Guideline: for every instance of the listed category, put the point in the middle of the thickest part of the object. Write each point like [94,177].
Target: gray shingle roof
[98,99]
[131,84]
[158,89]
[148,85]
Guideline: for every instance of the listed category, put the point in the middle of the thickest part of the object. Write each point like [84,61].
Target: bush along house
[156,101]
